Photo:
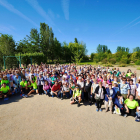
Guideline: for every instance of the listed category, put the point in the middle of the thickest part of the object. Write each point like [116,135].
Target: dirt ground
[44,118]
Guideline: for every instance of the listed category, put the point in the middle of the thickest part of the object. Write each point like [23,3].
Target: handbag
[97,98]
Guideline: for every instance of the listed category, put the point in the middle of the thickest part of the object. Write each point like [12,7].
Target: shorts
[35,89]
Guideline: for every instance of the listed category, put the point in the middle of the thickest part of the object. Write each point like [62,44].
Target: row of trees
[122,55]
[42,41]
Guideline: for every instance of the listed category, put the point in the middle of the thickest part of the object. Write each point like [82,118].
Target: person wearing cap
[23,85]
[109,97]
[5,90]
[124,89]
[115,87]
[76,96]
[100,92]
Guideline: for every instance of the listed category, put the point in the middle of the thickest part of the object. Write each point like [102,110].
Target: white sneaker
[114,112]
[125,115]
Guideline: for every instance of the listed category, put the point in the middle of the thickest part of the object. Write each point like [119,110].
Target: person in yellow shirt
[76,96]
[5,90]
[131,106]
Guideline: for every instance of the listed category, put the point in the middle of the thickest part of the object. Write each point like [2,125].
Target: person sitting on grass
[131,106]
[46,88]
[65,91]
[5,91]
[23,85]
[76,96]
[34,84]
[56,90]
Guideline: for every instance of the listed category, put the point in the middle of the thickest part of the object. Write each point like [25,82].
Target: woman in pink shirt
[46,88]
[100,79]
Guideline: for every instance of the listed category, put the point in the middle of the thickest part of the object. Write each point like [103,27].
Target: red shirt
[55,88]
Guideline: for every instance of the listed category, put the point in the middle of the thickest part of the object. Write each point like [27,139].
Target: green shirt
[23,84]
[77,93]
[128,74]
[34,85]
[4,81]
[5,89]
[53,79]
[131,104]
[29,86]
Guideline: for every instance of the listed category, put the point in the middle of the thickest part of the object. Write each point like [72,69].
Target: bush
[122,65]
[138,68]
[112,60]
[108,65]
[104,61]
[137,62]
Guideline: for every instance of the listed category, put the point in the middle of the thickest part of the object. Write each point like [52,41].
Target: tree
[7,48]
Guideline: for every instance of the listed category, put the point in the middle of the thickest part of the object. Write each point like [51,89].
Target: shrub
[112,60]
[108,65]
[122,65]
[104,61]
[138,68]
[137,62]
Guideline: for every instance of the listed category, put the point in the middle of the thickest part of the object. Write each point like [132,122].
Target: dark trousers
[132,112]
[86,95]
[99,103]
[40,89]
[138,101]
[90,97]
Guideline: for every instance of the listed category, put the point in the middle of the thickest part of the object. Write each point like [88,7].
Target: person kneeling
[76,96]
[130,106]
[34,84]
[5,90]
[55,89]
[65,91]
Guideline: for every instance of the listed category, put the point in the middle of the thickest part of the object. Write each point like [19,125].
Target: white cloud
[65,7]
[6,29]
[39,9]
[124,28]
[11,8]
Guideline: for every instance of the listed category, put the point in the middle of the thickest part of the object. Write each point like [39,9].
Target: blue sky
[107,22]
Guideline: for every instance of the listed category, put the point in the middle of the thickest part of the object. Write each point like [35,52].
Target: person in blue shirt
[17,81]
[109,97]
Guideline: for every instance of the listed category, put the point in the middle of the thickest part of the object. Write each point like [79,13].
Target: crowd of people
[118,91]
